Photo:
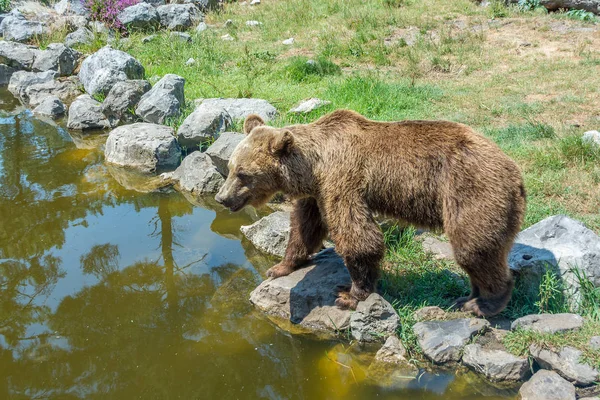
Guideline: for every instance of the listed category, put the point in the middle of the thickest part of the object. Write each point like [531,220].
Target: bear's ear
[251,122]
[282,143]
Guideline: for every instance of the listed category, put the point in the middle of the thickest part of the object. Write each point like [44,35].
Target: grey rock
[228,23]
[241,108]
[179,16]
[558,242]
[198,175]
[201,27]
[547,385]
[270,234]
[79,37]
[253,23]
[5,74]
[65,89]
[592,137]
[309,105]
[443,341]
[205,5]
[393,351]
[85,113]
[440,249]
[156,3]
[374,319]
[100,71]
[74,22]
[51,107]
[222,149]
[429,313]
[566,362]
[592,6]
[181,36]
[21,80]
[163,101]
[190,62]
[227,37]
[70,7]
[19,29]
[307,296]
[17,55]
[99,27]
[595,342]
[142,146]
[206,122]
[149,38]
[288,42]
[122,99]
[57,57]
[140,16]
[496,365]
[549,323]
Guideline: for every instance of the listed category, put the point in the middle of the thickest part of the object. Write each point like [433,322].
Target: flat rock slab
[270,234]
[547,385]
[198,175]
[241,108]
[549,323]
[374,320]
[307,296]
[222,149]
[559,242]
[443,341]
[566,362]
[142,146]
[496,365]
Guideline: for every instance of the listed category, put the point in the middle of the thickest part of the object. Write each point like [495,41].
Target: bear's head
[255,167]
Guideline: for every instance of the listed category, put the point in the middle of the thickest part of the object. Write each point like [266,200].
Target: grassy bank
[526,79]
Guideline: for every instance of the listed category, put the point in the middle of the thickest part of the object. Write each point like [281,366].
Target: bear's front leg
[307,231]
[359,241]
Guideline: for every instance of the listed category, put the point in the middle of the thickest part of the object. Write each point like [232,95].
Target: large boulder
[6,73]
[197,175]
[163,101]
[51,107]
[140,16]
[122,99]
[142,146]
[81,36]
[307,296]
[496,365]
[17,28]
[241,108]
[100,71]
[206,122]
[85,113]
[21,80]
[547,385]
[566,362]
[374,320]
[71,7]
[557,242]
[270,234]
[179,16]
[549,323]
[444,341]
[65,89]
[17,55]
[222,149]
[57,57]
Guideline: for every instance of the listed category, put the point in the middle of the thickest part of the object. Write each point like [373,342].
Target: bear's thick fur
[343,168]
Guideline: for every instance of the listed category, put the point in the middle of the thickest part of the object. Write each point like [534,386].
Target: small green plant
[575,150]
[581,15]
[4,6]
[589,301]
[100,97]
[527,5]
[497,9]
[551,298]
[301,69]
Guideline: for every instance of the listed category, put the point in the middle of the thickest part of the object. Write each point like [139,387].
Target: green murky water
[106,292]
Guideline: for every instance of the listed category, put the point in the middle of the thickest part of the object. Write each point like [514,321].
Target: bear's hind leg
[307,232]
[491,280]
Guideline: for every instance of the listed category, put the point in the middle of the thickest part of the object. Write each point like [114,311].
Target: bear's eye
[243,176]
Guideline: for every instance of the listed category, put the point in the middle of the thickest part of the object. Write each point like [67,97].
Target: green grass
[5,6]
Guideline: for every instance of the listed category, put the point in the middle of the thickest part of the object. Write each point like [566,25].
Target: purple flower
[106,11]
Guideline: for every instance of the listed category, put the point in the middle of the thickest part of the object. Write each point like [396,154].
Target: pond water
[107,292]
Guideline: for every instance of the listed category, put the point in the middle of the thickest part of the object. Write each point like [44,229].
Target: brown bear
[343,168]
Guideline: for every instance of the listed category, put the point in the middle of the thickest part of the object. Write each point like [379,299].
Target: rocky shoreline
[59,81]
